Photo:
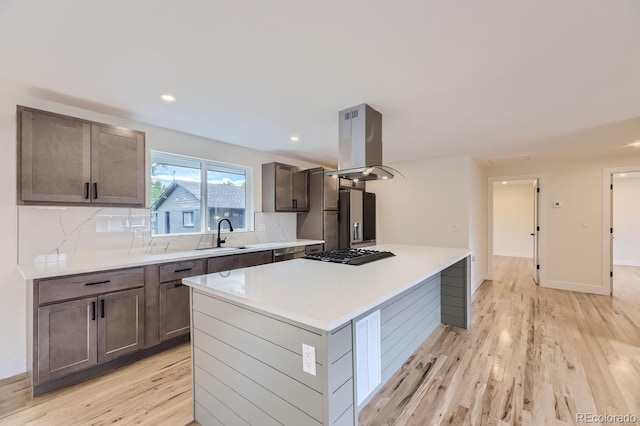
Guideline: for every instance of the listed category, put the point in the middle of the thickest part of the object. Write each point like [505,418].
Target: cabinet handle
[86,191]
[99,282]
[295,204]
[182,270]
[178,285]
[102,308]
[95,190]
[93,311]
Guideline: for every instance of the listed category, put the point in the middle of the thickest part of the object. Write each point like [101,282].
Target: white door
[536,231]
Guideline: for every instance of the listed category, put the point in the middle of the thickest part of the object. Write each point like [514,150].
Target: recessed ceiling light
[385,177]
[636,143]
[504,182]
[294,138]
[168,98]
[623,175]
[355,181]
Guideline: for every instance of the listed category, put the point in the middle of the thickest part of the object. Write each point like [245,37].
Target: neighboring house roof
[219,195]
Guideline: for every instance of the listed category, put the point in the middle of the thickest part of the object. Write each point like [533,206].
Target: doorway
[624,230]
[514,226]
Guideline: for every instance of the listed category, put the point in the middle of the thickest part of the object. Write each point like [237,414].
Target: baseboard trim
[513,254]
[13,367]
[624,262]
[579,287]
[475,286]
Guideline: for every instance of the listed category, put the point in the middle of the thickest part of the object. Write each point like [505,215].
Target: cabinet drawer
[314,248]
[178,270]
[76,286]
[237,261]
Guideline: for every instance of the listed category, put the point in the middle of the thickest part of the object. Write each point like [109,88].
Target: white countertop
[103,262]
[326,295]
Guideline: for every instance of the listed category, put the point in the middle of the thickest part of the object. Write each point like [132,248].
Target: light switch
[309,359]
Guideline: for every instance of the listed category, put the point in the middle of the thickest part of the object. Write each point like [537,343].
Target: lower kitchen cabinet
[174,312]
[120,324]
[79,334]
[237,261]
[67,338]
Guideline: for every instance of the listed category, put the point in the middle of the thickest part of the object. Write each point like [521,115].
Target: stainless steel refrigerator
[321,221]
[357,218]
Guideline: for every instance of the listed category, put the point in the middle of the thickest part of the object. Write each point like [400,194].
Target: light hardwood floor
[533,356]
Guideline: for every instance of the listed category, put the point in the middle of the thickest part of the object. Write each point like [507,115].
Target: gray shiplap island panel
[250,372]
[456,294]
[247,362]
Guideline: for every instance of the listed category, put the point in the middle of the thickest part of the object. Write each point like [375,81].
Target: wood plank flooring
[153,391]
[533,356]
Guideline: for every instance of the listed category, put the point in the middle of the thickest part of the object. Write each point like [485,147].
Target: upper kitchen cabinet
[117,165]
[284,188]
[66,160]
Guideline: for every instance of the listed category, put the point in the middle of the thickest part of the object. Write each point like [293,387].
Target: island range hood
[360,146]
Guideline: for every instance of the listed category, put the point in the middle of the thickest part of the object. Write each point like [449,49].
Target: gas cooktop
[350,256]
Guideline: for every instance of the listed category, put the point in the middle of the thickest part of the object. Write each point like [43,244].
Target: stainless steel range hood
[360,145]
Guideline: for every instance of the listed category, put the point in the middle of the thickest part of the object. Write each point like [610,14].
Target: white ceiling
[492,78]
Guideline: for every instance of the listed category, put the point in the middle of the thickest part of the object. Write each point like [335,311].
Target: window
[187,219]
[201,192]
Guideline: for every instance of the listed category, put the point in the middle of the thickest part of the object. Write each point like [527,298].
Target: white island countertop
[325,295]
[108,261]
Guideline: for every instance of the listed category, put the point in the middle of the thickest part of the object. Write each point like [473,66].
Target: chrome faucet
[222,240]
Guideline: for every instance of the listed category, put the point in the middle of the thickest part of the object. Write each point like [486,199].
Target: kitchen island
[309,343]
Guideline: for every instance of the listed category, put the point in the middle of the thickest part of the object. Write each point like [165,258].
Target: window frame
[182,160]
[187,214]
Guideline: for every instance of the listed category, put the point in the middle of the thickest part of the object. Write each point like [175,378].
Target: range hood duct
[360,145]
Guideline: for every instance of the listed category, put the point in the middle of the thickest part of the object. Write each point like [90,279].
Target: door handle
[532,234]
[102,308]
[86,191]
[95,190]
[93,311]
[98,282]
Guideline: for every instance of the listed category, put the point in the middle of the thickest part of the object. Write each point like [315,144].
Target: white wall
[513,219]
[626,221]
[434,196]
[572,240]
[478,233]
[12,286]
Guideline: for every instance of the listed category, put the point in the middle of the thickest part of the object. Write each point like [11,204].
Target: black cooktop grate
[350,256]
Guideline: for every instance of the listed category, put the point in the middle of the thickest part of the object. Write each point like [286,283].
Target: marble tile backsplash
[55,233]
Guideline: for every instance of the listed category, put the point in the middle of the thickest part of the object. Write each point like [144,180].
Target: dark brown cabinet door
[117,166]
[301,191]
[175,318]
[54,158]
[120,323]
[284,191]
[67,338]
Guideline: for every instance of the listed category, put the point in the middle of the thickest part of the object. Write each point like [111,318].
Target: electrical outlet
[455,228]
[261,227]
[309,359]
